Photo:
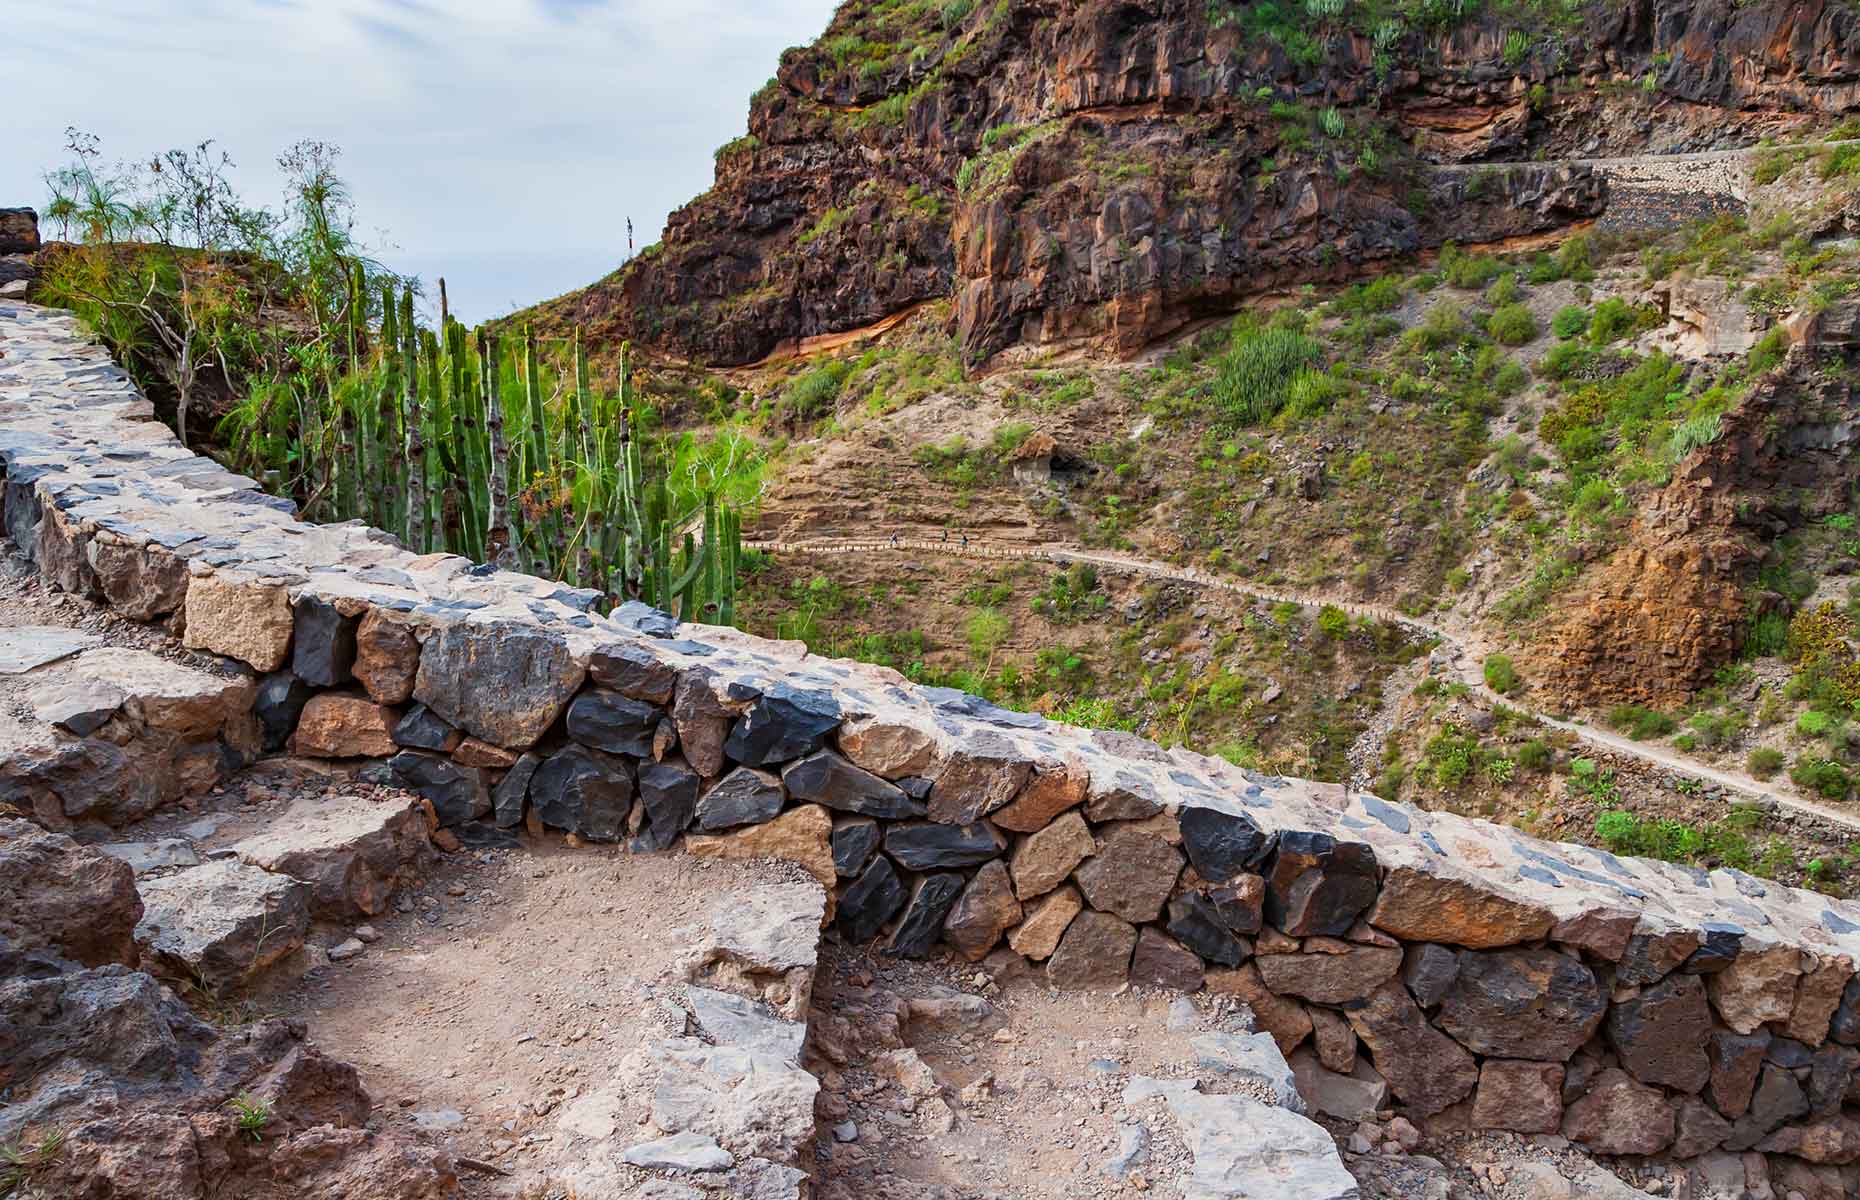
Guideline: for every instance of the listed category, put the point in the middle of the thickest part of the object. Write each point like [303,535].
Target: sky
[500,143]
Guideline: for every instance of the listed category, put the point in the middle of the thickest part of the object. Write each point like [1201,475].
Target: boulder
[459,794]
[1131,876]
[142,583]
[503,682]
[279,703]
[1045,859]
[1340,975]
[1222,845]
[745,796]
[1818,997]
[59,896]
[1286,1020]
[855,840]
[1758,987]
[668,795]
[1253,1057]
[19,231]
[1245,1150]
[387,658]
[1047,919]
[984,912]
[1094,953]
[1162,962]
[1603,932]
[889,748]
[781,724]
[922,923]
[1426,1069]
[1318,885]
[221,923]
[1430,971]
[927,845]
[1127,797]
[1417,906]
[1832,1141]
[1536,1004]
[609,722]
[1697,1129]
[1652,954]
[1661,1034]
[239,617]
[978,778]
[870,902]
[507,799]
[702,722]
[349,851]
[1834,1073]
[1196,921]
[1047,794]
[424,729]
[826,778]
[333,725]
[1519,1096]
[800,835]
[322,643]
[634,672]
[1734,1061]
[582,791]
[1619,1116]
[1778,1100]
[1354,1096]
[1334,1040]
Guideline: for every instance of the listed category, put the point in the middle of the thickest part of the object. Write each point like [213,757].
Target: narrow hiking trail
[1466,649]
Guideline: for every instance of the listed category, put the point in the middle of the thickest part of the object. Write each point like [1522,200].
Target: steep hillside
[1104,172]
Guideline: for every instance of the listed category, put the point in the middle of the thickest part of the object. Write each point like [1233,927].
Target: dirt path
[1465,644]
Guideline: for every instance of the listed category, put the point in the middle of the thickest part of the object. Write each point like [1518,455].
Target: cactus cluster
[448,440]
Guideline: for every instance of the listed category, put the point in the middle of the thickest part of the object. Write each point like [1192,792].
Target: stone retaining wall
[1481,976]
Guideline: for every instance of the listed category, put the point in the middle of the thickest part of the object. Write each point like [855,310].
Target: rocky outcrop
[19,231]
[1651,623]
[1105,170]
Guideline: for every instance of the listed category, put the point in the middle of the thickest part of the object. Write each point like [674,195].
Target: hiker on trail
[945,534]
[894,541]
[965,541]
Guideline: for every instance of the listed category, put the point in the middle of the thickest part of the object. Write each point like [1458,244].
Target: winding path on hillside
[1467,647]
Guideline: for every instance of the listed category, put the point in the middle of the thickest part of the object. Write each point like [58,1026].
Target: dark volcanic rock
[1779,1099]
[854,841]
[1698,1130]
[1845,1028]
[922,922]
[668,792]
[505,683]
[458,793]
[1341,975]
[1661,1034]
[1620,1116]
[984,912]
[826,778]
[280,701]
[745,796]
[1195,921]
[979,777]
[1735,1059]
[1161,961]
[1717,950]
[424,729]
[513,789]
[927,846]
[1241,905]
[703,722]
[1535,1004]
[1094,953]
[1318,885]
[585,792]
[604,720]
[783,723]
[59,896]
[1222,845]
[1429,972]
[1651,957]
[870,901]
[1831,1077]
[633,671]
[322,644]
[1426,1069]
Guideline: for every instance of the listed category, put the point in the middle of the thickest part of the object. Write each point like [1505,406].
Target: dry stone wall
[1479,976]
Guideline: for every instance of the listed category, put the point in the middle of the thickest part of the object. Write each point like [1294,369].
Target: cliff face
[1108,169]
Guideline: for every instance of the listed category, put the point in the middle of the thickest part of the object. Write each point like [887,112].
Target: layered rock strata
[1471,970]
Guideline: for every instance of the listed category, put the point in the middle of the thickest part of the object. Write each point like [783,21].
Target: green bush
[1821,776]
[1512,325]
[814,393]
[1641,723]
[1812,724]
[1535,755]
[953,12]
[1764,762]
[1444,326]
[1365,299]
[1333,622]
[1255,375]
[1500,675]
[1615,319]
[1572,320]
[1504,290]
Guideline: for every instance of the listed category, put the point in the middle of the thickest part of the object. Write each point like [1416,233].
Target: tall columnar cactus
[413,437]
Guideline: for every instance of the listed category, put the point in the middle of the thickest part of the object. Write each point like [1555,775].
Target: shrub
[1820,776]
[1535,755]
[1443,326]
[1008,438]
[1504,290]
[953,12]
[814,393]
[1500,675]
[1511,378]
[1764,762]
[1255,375]
[1812,724]
[1512,324]
[1615,319]
[1333,622]
[1572,320]
[1641,723]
